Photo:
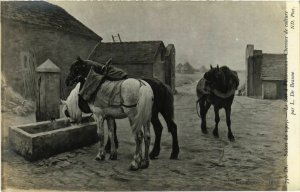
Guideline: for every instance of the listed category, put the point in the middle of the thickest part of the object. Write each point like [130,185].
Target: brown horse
[217,88]
[163,103]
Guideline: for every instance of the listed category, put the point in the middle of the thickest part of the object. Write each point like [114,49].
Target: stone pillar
[170,66]
[48,91]
[249,53]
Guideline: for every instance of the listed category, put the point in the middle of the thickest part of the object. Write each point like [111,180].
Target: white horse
[136,103]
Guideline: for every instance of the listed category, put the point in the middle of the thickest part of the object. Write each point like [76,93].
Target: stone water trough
[43,139]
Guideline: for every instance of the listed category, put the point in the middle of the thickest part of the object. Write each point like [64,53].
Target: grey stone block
[43,139]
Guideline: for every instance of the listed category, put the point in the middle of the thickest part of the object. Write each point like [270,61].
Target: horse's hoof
[113,156]
[174,156]
[231,138]
[144,164]
[216,135]
[100,157]
[204,131]
[153,155]
[134,167]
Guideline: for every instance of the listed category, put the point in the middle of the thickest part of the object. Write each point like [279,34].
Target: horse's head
[214,76]
[78,70]
[70,106]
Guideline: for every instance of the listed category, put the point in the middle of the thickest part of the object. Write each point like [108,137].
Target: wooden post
[48,91]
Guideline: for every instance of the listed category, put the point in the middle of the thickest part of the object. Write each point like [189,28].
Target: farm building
[35,31]
[265,74]
[140,59]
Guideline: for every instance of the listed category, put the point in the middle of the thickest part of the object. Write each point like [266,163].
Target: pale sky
[203,33]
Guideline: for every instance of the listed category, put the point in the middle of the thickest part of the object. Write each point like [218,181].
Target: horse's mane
[96,66]
[230,80]
[72,104]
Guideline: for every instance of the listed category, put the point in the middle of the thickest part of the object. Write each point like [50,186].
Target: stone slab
[43,139]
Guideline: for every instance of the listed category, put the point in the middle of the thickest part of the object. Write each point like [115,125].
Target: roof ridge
[274,54]
[136,51]
[128,42]
[43,13]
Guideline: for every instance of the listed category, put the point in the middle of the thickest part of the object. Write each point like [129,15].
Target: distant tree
[178,68]
[187,68]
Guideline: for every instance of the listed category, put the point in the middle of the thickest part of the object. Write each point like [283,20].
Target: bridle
[66,112]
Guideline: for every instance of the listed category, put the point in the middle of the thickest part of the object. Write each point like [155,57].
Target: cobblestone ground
[255,161]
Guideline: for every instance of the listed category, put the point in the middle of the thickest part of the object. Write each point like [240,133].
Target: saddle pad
[91,85]
[112,73]
[109,94]
[202,88]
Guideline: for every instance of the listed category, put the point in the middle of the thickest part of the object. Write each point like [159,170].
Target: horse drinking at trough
[133,99]
[217,88]
[163,101]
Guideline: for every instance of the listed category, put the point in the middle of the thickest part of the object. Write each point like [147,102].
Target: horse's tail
[144,106]
[167,109]
[236,79]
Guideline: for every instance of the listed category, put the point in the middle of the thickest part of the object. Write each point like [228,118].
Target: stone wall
[61,47]
[269,90]
[137,70]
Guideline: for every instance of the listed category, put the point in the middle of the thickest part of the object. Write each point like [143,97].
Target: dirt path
[255,161]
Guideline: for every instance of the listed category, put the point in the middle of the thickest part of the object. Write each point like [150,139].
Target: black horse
[163,104]
[217,87]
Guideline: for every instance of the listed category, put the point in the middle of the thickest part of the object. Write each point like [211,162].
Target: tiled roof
[274,67]
[44,14]
[140,52]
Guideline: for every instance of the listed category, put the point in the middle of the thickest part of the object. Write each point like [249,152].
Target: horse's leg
[147,138]
[100,132]
[111,134]
[138,137]
[175,146]
[228,121]
[137,158]
[204,106]
[116,138]
[157,130]
[172,127]
[108,143]
[217,120]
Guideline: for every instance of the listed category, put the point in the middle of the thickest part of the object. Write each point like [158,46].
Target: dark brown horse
[163,102]
[217,88]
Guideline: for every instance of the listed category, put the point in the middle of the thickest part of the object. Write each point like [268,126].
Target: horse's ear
[63,102]
[218,67]
[79,58]
[205,75]
[211,67]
